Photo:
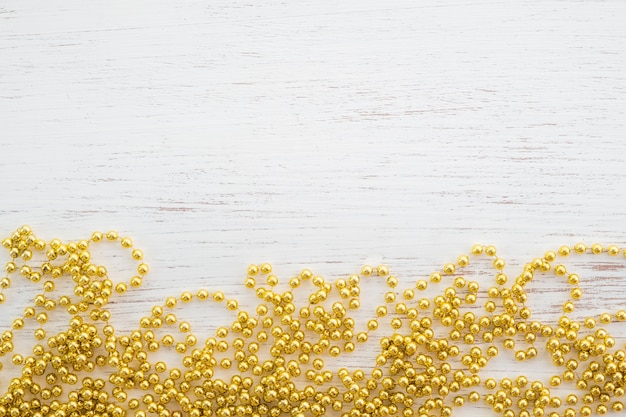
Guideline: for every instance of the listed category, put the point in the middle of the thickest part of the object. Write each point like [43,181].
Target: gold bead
[580,248]
[560,270]
[564,251]
[498,263]
[272,280]
[477,249]
[435,277]
[596,248]
[143,269]
[382,270]
[392,281]
[332,331]
[449,269]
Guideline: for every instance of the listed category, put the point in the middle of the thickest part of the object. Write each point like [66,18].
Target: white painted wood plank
[315,134]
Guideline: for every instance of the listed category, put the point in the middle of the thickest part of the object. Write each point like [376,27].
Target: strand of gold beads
[275,354]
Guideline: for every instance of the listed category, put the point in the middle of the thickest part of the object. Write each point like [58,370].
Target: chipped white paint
[316,134]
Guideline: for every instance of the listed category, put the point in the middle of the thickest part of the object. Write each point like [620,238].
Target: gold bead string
[275,355]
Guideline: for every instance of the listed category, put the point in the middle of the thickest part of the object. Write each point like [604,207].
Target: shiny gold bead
[390,297]
[372,325]
[434,277]
[392,281]
[477,249]
[272,280]
[170,302]
[265,268]
[620,315]
[596,248]
[580,248]
[421,285]
[414,363]
[564,251]
[137,254]
[382,270]
[490,250]
[143,269]
[126,242]
[498,263]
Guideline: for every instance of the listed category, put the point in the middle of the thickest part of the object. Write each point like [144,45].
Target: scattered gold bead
[605,318]
[477,249]
[449,269]
[411,375]
[382,270]
[580,248]
[612,250]
[564,250]
[136,282]
[142,269]
[498,263]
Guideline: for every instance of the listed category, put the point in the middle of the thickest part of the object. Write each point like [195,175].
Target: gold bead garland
[275,355]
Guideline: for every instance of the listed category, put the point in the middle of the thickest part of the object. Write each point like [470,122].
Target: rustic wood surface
[317,134]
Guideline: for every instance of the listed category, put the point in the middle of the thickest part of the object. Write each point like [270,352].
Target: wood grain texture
[315,134]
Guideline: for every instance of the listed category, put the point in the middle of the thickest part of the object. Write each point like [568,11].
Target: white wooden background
[316,134]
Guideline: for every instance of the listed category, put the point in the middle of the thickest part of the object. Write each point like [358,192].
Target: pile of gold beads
[276,353]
